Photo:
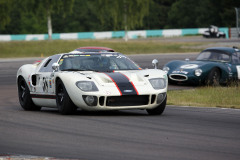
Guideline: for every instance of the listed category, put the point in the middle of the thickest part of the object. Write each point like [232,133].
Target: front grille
[127,100]
[178,77]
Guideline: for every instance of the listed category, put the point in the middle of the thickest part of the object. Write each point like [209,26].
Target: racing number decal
[45,85]
[238,71]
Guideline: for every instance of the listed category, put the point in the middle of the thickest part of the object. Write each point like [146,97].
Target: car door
[43,79]
[42,82]
[236,65]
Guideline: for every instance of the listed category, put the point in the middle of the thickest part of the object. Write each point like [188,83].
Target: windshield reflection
[96,62]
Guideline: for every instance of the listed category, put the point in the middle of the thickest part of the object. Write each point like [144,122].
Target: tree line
[63,16]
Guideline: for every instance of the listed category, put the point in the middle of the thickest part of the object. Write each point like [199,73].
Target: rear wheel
[159,109]
[213,78]
[25,97]
[64,103]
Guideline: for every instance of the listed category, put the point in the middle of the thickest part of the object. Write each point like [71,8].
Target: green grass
[226,97]
[37,48]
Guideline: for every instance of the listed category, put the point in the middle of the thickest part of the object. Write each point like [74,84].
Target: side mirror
[55,67]
[155,63]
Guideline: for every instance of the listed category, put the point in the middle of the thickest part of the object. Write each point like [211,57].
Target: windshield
[213,56]
[96,62]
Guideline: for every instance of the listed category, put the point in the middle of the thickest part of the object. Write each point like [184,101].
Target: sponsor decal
[123,83]
[107,55]
[61,61]
[189,66]
[50,83]
[45,85]
[127,91]
[183,72]
[120,56]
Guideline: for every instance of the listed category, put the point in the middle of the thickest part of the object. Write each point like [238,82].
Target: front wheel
[64,103]
[159,109]
[25,97]
[213,78]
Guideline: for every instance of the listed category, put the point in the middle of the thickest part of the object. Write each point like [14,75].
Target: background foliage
[29,16]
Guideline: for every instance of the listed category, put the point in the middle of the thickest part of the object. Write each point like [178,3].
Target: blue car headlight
[87,86]
[158,83]
[166,69]
[198,72]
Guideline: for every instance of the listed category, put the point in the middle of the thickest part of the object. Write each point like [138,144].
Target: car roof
[79,52]
[95,48]
[228,50]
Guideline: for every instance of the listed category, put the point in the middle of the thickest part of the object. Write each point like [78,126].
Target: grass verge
[46,48]
[224,97]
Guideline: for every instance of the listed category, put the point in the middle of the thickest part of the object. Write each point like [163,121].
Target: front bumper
[185,79]
[148,101]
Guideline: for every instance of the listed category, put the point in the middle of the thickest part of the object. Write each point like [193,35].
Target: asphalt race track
[181,133]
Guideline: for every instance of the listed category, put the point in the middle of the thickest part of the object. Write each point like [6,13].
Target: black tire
[24,96]
[213,78]
[159,109]
[64,103]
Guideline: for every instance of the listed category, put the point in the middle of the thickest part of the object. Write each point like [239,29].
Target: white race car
[92,81]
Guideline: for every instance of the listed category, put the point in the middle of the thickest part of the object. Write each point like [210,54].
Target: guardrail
[110,34]
[234,33]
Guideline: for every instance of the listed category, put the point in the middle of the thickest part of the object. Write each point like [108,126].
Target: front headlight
[198,72]
[90,100]
[166,69]
[87,86]
[158,83]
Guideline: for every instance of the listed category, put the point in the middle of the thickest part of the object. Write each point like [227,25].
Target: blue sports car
[213,66]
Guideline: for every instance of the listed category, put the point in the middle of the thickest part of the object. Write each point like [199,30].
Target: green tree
[24,18]
[83,18]
[5,8]
[48,7]
[202,13]
[158,14]
[228,15]
[119,13]
[183,14]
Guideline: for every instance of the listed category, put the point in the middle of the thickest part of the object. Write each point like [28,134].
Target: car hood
[138,77]
[190,65]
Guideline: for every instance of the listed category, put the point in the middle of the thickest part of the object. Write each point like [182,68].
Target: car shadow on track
[98,113]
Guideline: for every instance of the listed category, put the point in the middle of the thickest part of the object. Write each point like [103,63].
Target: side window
[236,58]
[224,57]
[43,68]
[47,67]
